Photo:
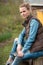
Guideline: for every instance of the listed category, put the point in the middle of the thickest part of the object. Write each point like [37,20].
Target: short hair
[27,5]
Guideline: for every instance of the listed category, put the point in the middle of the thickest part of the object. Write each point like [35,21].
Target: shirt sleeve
[21,36]
[34,25]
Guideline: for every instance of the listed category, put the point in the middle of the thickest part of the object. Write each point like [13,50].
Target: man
[29,44]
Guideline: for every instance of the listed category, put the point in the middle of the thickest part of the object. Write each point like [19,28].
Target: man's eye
[23,11]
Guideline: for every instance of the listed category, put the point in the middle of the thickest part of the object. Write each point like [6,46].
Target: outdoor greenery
[5,36]
[10,26]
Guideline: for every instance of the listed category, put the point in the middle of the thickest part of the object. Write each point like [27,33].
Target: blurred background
[10,23]
[10,26]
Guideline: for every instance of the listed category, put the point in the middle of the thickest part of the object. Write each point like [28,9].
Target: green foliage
[5,36]
[10,26]
[10,20]
[4,53]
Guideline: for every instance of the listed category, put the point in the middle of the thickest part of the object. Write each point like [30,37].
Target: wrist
[19,46]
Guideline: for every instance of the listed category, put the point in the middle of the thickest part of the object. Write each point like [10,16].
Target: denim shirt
[34,25]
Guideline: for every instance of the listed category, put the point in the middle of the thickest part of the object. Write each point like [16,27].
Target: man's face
[24,12]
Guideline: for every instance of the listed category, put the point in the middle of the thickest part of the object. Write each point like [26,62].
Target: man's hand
[20,54]
[19,47]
